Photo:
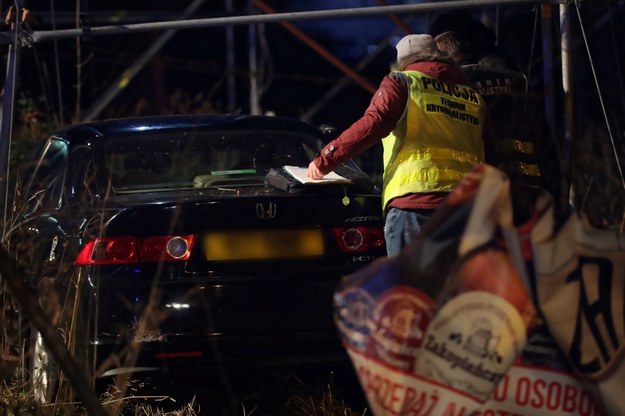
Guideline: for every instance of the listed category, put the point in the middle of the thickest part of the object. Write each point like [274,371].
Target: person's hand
[314,172]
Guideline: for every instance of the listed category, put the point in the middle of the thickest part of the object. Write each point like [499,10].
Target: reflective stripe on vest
[516,156]
[438,139]
[514,145]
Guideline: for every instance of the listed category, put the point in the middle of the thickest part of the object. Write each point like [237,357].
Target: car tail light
[123,250]
[359,239]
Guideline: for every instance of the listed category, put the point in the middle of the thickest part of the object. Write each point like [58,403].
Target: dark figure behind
[520,143]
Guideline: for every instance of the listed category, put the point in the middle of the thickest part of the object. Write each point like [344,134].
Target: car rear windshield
[183,160]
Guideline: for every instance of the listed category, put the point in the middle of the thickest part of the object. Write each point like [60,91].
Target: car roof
[86,132]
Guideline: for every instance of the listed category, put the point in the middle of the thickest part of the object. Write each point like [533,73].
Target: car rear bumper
[236,323]
[222,352]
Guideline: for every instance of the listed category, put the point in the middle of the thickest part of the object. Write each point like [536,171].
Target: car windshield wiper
[212,181]
[141,189]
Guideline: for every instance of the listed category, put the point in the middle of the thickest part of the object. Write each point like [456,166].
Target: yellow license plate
[257,245]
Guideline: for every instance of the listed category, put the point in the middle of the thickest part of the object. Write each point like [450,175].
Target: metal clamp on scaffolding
[85,24]
[24,34]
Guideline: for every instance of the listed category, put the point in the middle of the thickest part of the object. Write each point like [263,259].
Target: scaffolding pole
[39,36]
[6,116]
[231,62]
[253,66]
[567,87]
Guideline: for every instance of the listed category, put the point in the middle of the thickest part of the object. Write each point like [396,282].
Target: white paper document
[299,173]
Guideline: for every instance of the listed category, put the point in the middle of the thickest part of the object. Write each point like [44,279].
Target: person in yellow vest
[431,124]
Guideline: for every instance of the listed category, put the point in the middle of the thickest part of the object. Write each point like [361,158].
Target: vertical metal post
[57,65]
[565,44]
[253,65]
[6,122]
[548,81]
[230,61]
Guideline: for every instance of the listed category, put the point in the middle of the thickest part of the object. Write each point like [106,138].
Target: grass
[325,405]
[304,400]
[16,400]
[286,392]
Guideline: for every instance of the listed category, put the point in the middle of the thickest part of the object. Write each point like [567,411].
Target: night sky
[189,74]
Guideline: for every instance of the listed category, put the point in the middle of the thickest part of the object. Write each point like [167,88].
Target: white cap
[411,44]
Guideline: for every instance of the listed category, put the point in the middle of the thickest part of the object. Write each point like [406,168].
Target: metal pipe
[253,65]
[548,87]
[57,65]
[565,47]
[6,116]
[39,36]
[550,99]
[230,61]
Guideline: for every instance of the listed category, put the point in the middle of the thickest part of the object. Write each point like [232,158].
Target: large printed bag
[541,381]
[435,329]
[580,284]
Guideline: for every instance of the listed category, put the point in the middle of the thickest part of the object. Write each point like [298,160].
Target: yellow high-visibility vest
[437,140]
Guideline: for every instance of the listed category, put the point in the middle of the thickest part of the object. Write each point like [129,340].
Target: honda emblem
[266,211]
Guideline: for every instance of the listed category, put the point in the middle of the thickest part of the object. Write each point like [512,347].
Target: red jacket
[384,112]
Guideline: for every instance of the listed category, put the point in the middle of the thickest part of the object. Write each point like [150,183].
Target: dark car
[158,243]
